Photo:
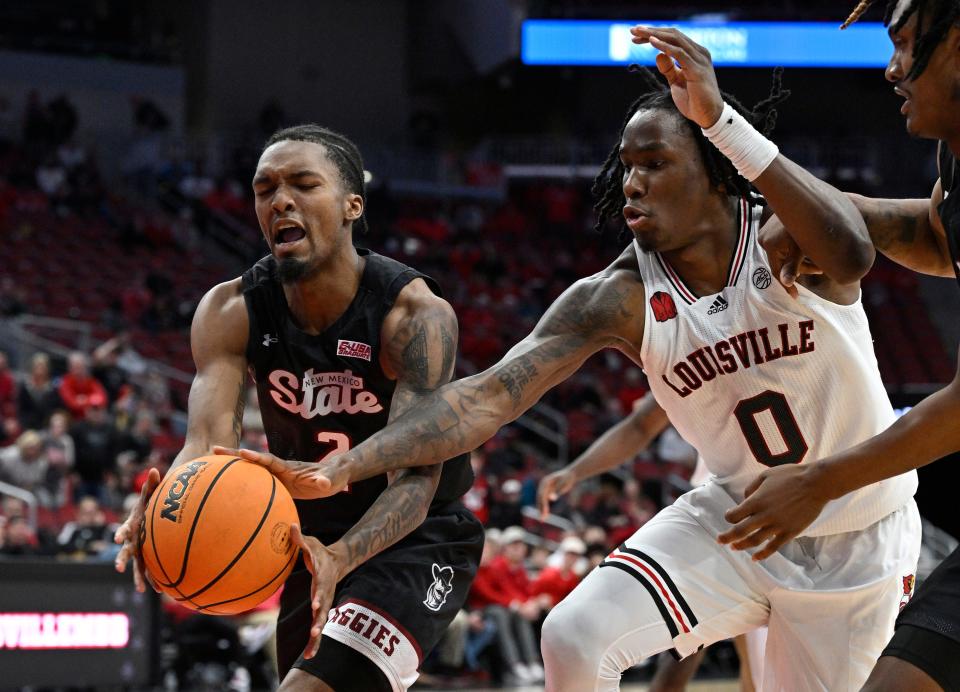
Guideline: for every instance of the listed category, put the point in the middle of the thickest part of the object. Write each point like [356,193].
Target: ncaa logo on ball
[280,538]
[175,494]
[762,278]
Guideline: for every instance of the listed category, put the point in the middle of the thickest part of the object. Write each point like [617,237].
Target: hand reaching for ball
[326,569]
[130,535]
[303,480]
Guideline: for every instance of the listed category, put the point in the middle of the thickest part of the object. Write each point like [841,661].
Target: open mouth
[634,217]
[291,234]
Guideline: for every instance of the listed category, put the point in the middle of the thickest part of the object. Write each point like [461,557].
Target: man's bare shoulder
[416,299]
[221,323]
[608,303]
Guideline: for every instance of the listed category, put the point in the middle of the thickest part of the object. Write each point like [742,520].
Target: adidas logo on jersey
[719,305]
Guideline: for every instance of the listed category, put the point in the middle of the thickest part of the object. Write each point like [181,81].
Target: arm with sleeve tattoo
[908,231]
[420,344]
[599,311]
[594,313]
[422,351]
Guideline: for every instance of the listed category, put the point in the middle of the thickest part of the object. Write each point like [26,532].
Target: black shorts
[928,628]
[395,607]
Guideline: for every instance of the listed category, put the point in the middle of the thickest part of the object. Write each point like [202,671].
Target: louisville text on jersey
[742,351]
[323,393]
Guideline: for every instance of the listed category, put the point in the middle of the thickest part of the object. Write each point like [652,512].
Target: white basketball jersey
[753,378]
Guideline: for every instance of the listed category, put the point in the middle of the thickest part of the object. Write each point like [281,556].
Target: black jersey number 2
[774,402]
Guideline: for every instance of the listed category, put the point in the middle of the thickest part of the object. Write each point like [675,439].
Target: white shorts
[829,602]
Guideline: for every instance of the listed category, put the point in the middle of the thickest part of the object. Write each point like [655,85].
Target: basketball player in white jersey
[615,447]
[747,374]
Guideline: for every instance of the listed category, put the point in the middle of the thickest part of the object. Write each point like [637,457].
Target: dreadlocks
[942,14]
[608,185]
[340,150]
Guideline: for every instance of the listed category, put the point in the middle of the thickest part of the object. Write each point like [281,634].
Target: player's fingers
[296,537]
[667,68]
[544,495]
[791,268]
[121,535]
[226,451]
[138,581]
[737,514]
[742,528]
[313,643]
[672,50]
[754,539]
[754,486]
[772,546]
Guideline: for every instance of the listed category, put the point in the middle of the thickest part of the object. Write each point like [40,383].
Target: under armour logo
[267,340]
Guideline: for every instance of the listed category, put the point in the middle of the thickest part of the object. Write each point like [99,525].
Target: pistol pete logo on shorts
[354,349]
[441,587]
[179,487]
[908,584]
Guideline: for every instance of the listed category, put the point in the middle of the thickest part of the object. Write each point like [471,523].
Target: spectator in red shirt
[78,389]
[556,582]
[502,590]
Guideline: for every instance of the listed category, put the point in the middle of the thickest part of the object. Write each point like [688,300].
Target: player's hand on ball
[552,486]
[130,532]
[689,71]
[324,564]
[303,480]
[779,504]
[786,259]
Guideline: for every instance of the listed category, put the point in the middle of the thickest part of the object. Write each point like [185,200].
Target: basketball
[217,535]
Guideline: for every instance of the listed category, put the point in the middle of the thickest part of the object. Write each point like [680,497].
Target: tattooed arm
[218,339]
[420,346]
[606,309]
[420,343]
[603,310]
[908,231]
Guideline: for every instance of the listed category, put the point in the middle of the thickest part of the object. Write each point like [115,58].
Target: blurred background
[129,133]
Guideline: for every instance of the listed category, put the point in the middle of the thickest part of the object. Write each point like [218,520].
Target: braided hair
[608,185]
[342,152]
[942,13]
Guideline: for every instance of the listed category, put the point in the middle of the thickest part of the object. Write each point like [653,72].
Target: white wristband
[748,150]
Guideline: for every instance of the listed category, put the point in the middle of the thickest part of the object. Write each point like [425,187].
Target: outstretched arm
[908,231]
[785,500]
[599,311]
[218,339]
[420,345]
[610,450]
[821,219]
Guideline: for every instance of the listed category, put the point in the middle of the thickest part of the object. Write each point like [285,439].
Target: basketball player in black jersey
[924,235]
[339,340]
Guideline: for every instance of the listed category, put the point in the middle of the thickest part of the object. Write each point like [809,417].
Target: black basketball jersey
[949,208]
[321,395]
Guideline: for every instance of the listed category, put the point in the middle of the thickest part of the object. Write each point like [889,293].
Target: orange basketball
[217,535]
